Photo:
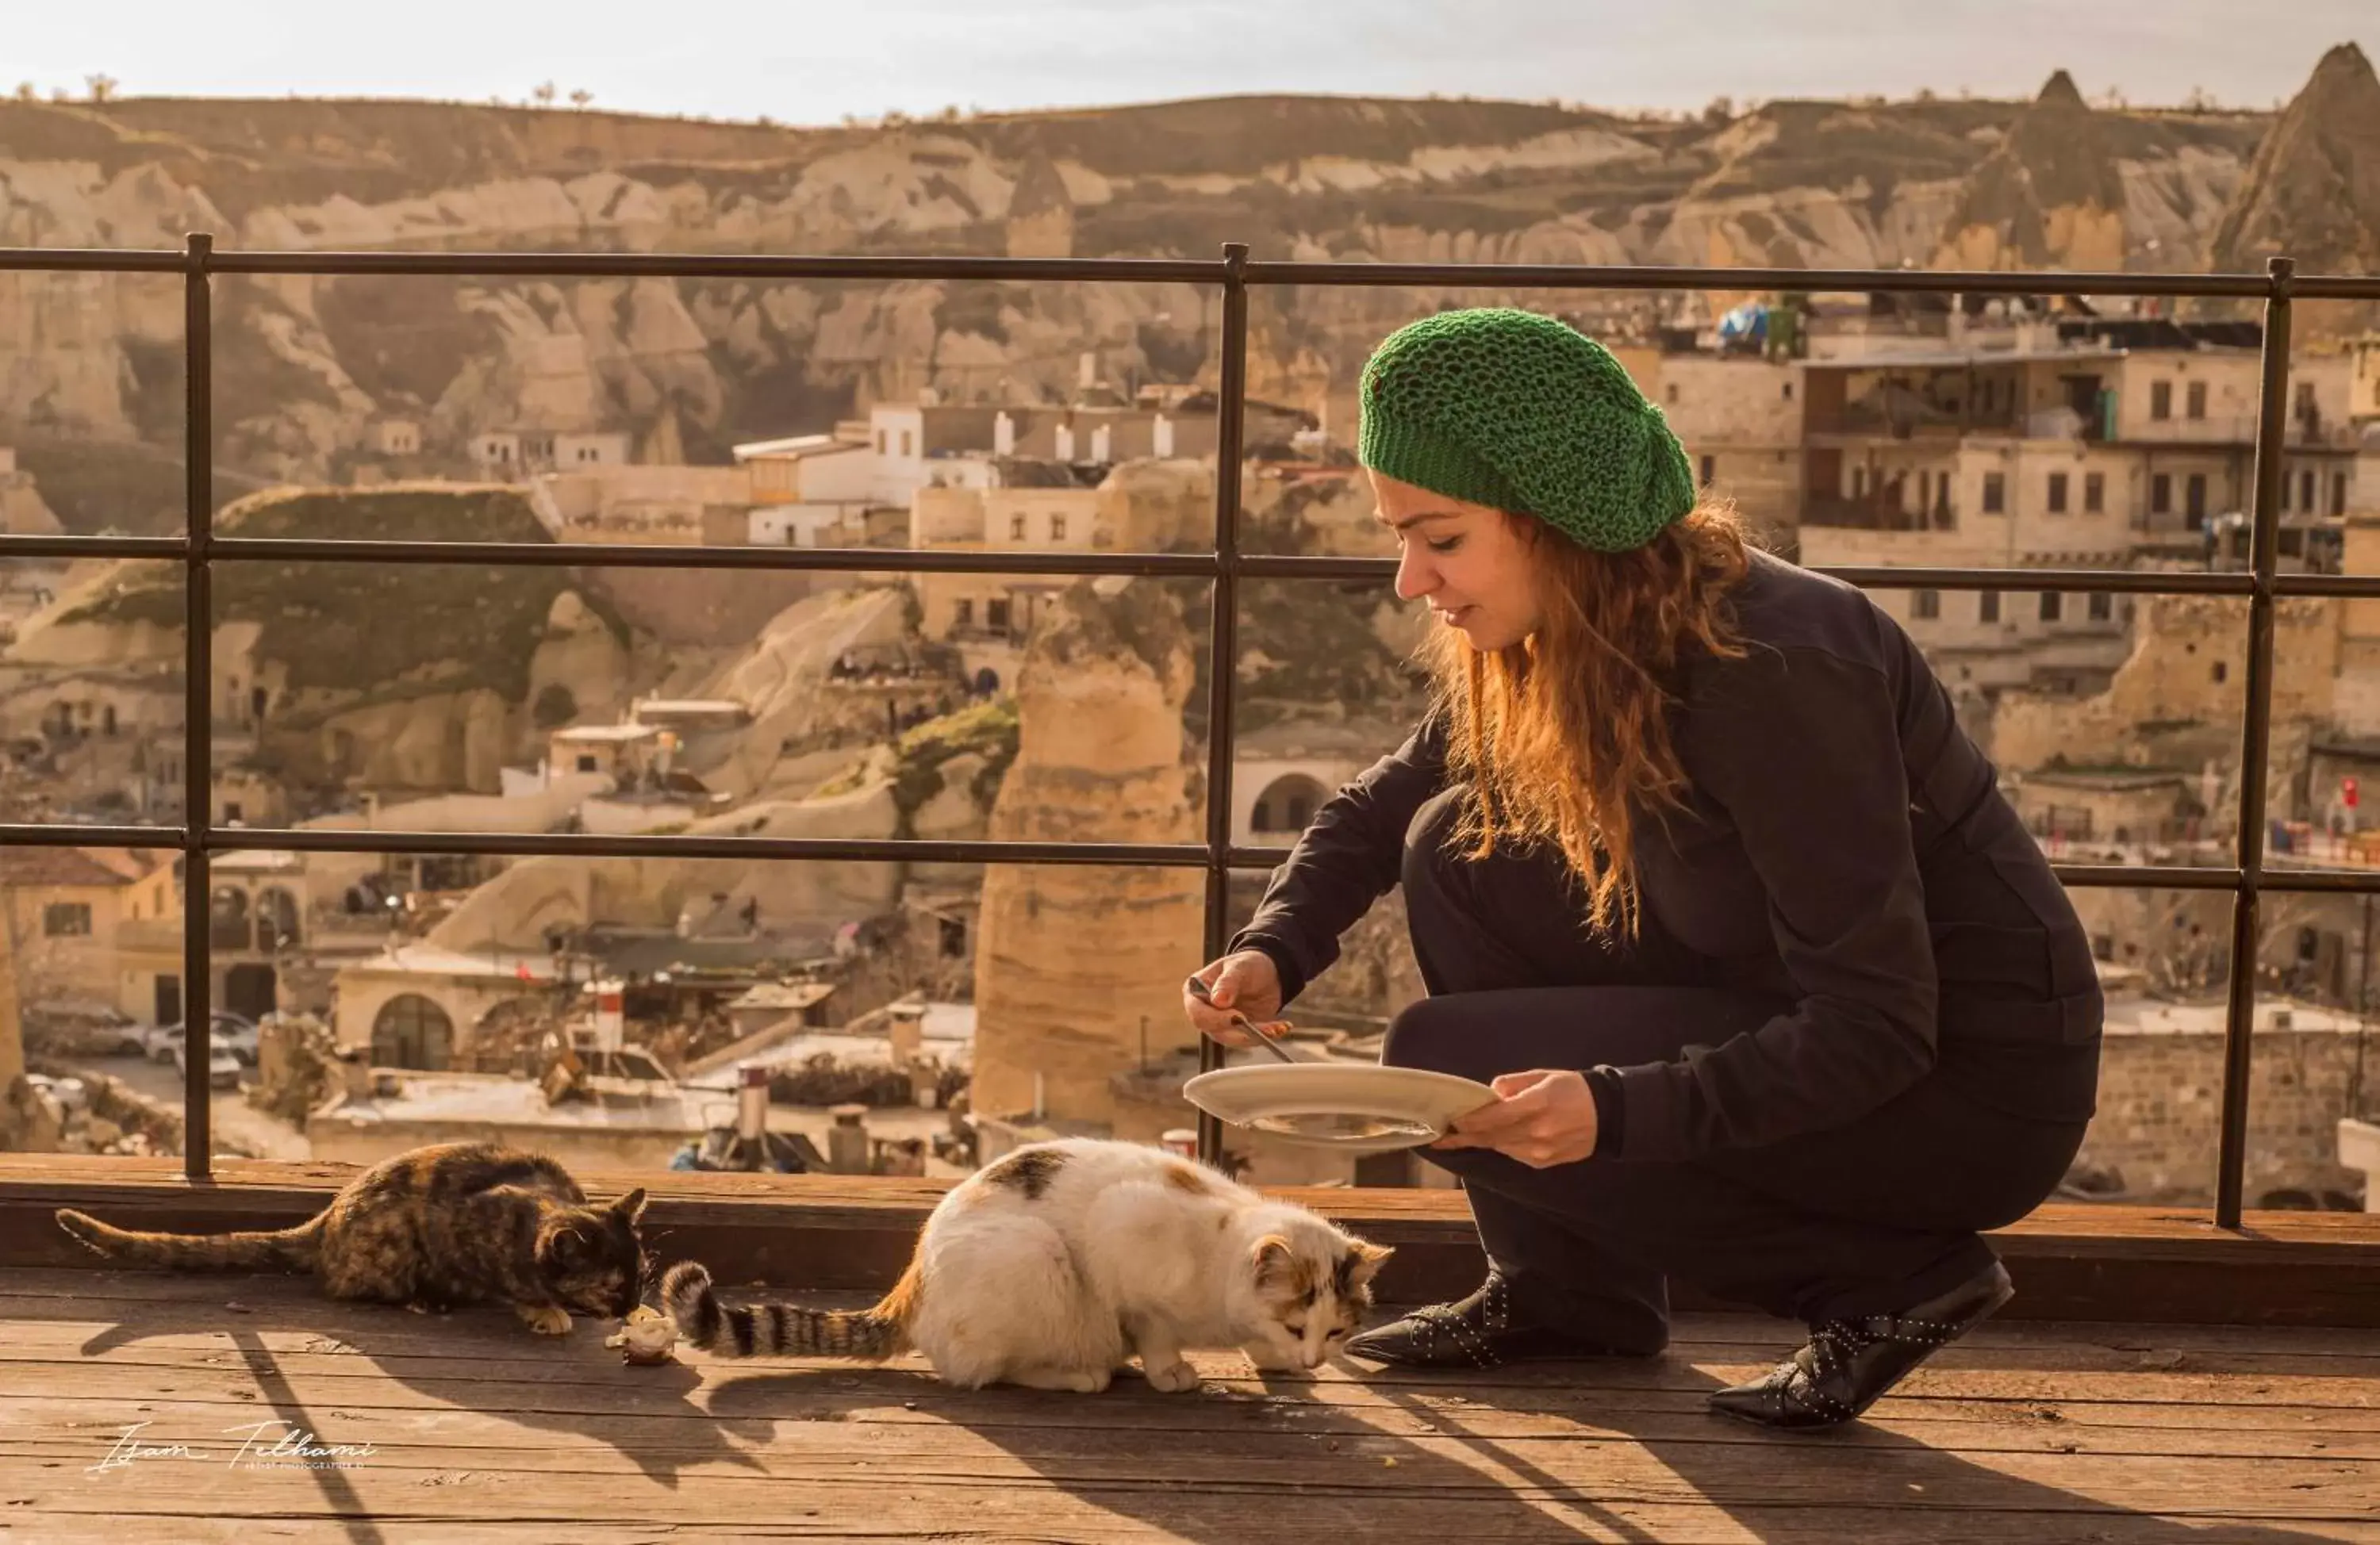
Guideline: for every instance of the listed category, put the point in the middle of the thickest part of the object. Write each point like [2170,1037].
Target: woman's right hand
[1247,983]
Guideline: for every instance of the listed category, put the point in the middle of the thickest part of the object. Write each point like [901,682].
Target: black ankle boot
[1481,1331]
[1849,1364]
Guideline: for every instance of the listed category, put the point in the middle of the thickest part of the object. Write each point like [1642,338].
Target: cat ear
[631,1206]
[1275,1262]
[1365,1260]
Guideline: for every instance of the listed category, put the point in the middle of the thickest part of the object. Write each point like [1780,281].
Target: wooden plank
[1703,1526]
[1418,1481]
[1968,1428]
[2071,1261]
[99,1331]
[38,1292]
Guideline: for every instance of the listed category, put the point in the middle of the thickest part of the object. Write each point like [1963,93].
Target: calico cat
[1050,1266]
[432,1228]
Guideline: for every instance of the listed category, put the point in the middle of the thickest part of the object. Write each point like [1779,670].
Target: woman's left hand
[1541,1119]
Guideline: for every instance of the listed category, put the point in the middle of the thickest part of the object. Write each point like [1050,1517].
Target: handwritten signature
[260,1448]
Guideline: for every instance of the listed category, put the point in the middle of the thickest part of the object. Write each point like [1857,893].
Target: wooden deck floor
[478,1431]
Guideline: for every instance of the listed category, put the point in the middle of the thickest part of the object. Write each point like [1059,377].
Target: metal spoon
[1204,995]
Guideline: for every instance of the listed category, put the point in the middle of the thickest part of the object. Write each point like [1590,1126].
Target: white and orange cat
[1050,1266]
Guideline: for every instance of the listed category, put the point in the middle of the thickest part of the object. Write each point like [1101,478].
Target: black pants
[1868,1218]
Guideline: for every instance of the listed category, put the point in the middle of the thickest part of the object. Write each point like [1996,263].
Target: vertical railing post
[2263,543]
[1223,647]
[197,700]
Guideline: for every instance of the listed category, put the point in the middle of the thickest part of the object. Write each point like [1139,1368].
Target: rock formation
[306,366]
[1070,958]
[2050,196]
[2313,189]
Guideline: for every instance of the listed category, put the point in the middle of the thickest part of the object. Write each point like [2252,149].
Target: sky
[815,63]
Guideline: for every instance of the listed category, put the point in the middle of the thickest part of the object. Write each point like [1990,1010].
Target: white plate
[1354,1106]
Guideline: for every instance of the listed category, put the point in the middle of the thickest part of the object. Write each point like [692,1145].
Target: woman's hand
[1243,984]
[1541,1117]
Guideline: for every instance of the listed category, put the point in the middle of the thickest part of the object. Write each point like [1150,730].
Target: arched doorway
[411,1031]
[227,920]
[276,919]
[251,990]
[1287,804]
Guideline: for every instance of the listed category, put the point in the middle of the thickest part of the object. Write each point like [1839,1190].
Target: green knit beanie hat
[1515,410]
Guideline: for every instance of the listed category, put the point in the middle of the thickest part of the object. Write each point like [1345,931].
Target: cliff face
[1070,958]
[307,365]
[400,676]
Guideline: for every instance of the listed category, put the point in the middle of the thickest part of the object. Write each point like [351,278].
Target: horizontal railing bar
[1165,855]
[79,548]
[2153,582]
[617,265]
[31,835]
[2336,585]
[2336,286]
[1181,565]
[92,260]
[2311,881]
[723,265]
[1565,277]
[682,846]
[793,559]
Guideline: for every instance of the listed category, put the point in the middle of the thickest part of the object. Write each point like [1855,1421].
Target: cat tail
[781,1330]
[285,1250]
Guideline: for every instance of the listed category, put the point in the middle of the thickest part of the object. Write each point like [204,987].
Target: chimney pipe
[752,1101]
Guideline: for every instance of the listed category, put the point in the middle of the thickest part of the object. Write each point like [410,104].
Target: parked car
[71,1093]
[223,1069]
[236,1032]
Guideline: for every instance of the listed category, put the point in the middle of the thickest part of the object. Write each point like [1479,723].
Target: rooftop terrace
[2086,1413]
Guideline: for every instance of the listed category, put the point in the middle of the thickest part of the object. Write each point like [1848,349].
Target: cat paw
[1173,1377]
[547,1320]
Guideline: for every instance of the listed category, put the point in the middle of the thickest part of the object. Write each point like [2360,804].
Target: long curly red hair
[1564,736]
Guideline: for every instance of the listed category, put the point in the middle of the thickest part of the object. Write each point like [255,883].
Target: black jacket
[1845,846]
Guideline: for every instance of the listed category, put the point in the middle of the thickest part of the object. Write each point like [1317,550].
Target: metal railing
[198,550]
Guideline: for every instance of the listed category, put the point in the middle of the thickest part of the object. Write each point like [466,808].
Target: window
[2306,406]
[1859,482]
[963,612]
[1789,390]
[995,614]
[2338,493]
[1057,527]
[1926,604]
[2095,493]
[2305,492]
[2161,494]
[587,762]
[2195,402]
[2102,606]
[1016,528]
[2161,400]
[1994,493]
[62,919]
[1987,606]
[1710,470]
[2053,606]
[2057,493]
[2222,670]
[1674,392]
[908,442]
[232,813]
[880,443]
[2195,499]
